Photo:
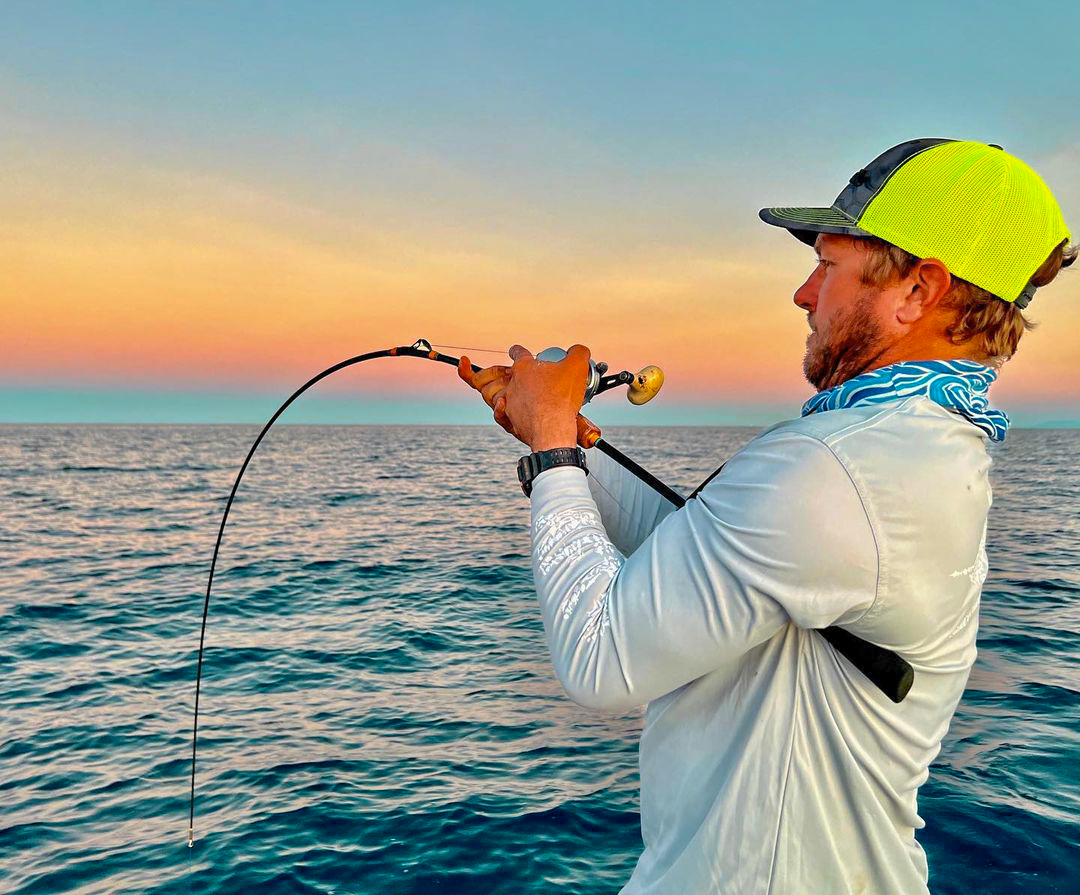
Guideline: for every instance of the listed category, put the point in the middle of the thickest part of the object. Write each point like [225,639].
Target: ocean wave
[378,709]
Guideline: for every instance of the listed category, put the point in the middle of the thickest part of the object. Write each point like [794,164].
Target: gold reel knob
[645,385]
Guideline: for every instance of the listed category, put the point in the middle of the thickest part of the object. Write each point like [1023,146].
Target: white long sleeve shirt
[769,764]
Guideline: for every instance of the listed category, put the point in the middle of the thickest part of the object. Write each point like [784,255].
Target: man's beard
[854,343]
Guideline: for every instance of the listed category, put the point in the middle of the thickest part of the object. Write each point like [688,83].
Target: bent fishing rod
[887,671]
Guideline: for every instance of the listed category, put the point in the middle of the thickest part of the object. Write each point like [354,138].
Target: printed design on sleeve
[608,566]
[598,619]
[587,543]
[556,545]
[553,526]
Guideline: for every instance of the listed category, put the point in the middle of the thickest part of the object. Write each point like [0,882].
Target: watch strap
[531,465]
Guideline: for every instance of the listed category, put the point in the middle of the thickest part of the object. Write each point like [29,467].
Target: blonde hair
[993,326]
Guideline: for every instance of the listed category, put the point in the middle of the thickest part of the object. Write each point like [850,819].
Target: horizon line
[1050,424]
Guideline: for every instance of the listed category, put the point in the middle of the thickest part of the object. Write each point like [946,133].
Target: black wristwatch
[531,465]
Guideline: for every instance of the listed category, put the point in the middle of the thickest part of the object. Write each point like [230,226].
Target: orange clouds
[162,279]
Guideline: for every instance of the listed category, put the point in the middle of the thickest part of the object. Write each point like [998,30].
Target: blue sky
[557,138]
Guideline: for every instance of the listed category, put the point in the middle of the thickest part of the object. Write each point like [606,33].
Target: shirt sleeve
[780,536]
[629,509]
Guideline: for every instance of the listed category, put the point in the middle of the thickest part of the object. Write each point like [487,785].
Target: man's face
[847,329]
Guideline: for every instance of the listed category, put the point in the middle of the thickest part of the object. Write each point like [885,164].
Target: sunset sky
[205,204]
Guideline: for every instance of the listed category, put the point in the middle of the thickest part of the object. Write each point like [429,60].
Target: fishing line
[889,672]
[464,348]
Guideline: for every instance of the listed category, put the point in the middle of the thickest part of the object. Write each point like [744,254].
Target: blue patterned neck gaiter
[957,385]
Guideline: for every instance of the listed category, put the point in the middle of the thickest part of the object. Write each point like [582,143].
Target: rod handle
[885,669]
[588,433]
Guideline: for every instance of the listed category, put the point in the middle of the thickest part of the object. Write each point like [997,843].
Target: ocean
[378,712]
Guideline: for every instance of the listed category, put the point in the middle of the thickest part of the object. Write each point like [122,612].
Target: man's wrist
[561,438]
[551,443]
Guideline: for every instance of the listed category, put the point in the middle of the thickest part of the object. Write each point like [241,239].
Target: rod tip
[190,837]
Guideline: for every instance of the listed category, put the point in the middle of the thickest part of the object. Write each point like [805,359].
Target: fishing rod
[886,670]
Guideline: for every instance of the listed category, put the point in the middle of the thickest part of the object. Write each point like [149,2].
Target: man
[769,764]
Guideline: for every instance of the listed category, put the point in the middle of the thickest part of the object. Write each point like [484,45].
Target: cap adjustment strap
[1024,298]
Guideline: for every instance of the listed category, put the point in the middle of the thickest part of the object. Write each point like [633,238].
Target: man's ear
[929,280]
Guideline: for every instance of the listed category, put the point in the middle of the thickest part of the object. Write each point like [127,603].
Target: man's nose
[807,294]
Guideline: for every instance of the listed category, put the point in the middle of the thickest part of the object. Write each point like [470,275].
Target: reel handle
[645,385]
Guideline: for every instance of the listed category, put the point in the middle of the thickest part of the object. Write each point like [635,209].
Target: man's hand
[541,401]
[536,402]
[489,382]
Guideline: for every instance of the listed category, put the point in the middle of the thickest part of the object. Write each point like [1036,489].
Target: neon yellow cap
[985,214]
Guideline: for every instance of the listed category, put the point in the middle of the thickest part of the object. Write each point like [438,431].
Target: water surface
[378,713]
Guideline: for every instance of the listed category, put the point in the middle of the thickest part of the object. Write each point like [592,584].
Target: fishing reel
[642,386]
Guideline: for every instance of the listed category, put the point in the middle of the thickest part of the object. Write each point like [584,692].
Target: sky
[203,205]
